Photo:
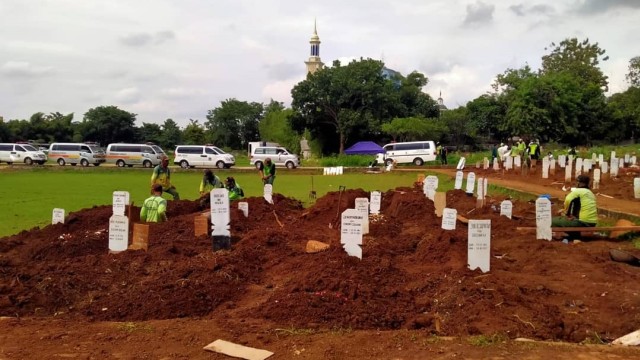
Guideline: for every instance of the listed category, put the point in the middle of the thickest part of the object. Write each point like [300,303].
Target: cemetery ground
[411,296]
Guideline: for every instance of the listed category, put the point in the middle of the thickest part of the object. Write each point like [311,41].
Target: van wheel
[258,164]
[290,165]
[146,164]
[28,161]
[184,164]
[418,162]
[388,162]
[61,162]
[84,162]
[220,164]
[120,163]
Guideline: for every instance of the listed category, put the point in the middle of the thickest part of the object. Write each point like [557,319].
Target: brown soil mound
[412,275]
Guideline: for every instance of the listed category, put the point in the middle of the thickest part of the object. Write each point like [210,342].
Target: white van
[278,155]
[76,153]
[202,155]
[21,153]
[255,144]
[416,152]
[147,155]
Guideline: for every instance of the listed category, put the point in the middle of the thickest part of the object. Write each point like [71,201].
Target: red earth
[64,295]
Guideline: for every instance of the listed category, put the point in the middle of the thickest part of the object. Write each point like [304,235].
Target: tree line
[564,101]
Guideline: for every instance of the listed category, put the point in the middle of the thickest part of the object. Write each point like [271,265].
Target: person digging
[580,209]
[154,208]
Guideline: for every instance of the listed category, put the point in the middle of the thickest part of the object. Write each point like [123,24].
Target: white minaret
[314,63]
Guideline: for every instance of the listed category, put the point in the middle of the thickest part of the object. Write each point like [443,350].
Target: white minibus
[21,153]
[147,155]
[76,153]
[416,152]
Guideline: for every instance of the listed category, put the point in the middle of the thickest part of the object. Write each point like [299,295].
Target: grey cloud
[598,6]
[434,67]
[23,69]
[522,10]
[282,71]
[479,13]
[143,39]
[128,95]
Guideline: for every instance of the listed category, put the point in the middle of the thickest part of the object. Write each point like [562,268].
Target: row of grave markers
[336,170]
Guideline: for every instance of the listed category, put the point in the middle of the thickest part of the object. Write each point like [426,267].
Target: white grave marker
[57,216]
[376,199]
[552,166]
[545,167]
[351,232]
[459,178]
[118,233]
[509,164]
[449,217]
[471,182]
[587,165]
[430,186]
[268,193]
[543,219]
[600,159]
[120,202]
[567,172]
[517,162]
[496,164]
[506,208]
[220,214]
[362,204]
[479,245]
[486,186]
[633,160]
[627,158]
[615,162]
[485,164]
[562,161]
[461,163]
[596,178]
[605,167]
[244,207]
[636,187]
[578,166]
[613,155]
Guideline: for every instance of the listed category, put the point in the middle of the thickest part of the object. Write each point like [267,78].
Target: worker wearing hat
[580,208]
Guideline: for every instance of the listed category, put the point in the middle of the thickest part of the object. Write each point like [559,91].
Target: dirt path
[185,338]
[533,185]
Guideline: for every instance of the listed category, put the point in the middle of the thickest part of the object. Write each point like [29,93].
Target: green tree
[414,128]
[579,58]
[5,132]
[485,115]
[633,76]
[59,127]
[459,130]
[193,133]
[342,100]
[625,110]
[276,127]
[150,132]
[234,123]
[171,134]
[108,124]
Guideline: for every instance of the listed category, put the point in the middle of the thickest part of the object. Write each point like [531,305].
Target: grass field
[30,194]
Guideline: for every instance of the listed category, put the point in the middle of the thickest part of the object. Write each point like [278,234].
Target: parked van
[255,144]
[76,153]
[278,155]
[21,153]
[202,155]
[416,152]
[147,155]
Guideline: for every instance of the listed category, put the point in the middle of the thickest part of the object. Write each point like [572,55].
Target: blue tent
[364,148]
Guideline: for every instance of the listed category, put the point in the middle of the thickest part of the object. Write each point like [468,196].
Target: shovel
[342,189]
[312,193]
[623,256]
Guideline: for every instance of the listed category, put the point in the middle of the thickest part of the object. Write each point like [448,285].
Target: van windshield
[96,149]
[157,149]
[218,150]
[29,148]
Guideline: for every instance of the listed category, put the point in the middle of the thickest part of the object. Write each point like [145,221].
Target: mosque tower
[314,63]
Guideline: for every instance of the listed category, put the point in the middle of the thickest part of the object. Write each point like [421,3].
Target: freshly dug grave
[413,274]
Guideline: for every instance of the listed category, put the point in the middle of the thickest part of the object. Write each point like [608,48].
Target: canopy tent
[364,148]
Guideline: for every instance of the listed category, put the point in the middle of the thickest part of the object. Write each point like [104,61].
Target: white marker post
[596,179]
[244,207]
[600,159]
[220,219]
[633,160]
[506,208]
[362,204]
[118,233]
[605,167]
[509,164]
[461,163]
[351,232]
[449,217]
[479,245]
[578,167]
[517,161]
[376,200]
[587,165]
[471,182]
[480,193]
[562,161]
[627,159]
[567,172]
[636,187]
[545,167]
[615,162]
[459,178]
[430,186]
[57,216]
[543,219]
[120,202]
[552,166]
[268,193]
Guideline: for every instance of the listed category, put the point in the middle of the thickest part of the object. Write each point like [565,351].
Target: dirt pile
[412,275]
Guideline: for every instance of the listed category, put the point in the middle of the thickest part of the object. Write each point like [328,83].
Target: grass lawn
[30,194]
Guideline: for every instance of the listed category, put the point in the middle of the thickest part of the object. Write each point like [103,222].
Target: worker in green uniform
[521,147]
[267,171]
[154,209]
[235,191]
[209,182]
[580,208]
[162,175]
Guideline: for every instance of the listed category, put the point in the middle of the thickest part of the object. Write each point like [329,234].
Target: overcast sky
[179,58]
